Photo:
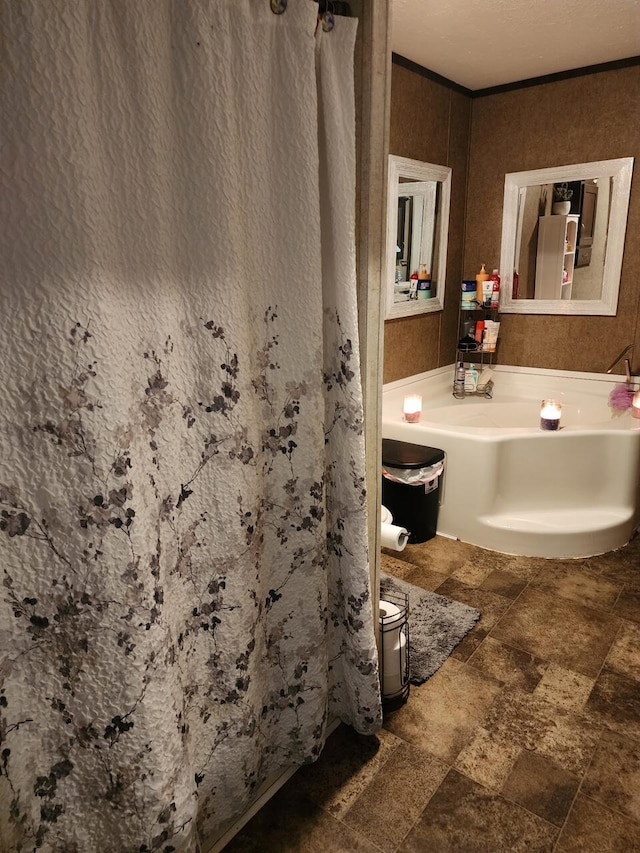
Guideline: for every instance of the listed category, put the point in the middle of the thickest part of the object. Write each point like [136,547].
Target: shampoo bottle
[482,276]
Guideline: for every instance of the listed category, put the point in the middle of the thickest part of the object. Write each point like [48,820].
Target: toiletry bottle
[468,328]
[491,330]
[495,290]
[471,379]
[479,331]
[458,384]
[424,283]
[413,285]
[482,276]
[468,299]
[487,293]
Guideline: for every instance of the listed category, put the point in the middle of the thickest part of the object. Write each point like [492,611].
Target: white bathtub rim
[607,378]
[616,422]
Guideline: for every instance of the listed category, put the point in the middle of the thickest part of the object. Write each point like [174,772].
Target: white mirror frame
[620,171]
[403,167]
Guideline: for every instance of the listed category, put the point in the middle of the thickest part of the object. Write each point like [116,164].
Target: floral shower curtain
[185,599]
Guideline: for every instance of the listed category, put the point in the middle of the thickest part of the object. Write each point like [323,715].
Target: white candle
[550,412]
[635,407]
[412,407]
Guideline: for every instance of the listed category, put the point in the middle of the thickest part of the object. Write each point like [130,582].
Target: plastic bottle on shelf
[424,283]
[495,291]
[468,301]
[458,383]
[413,285]
[481,277]
[470,383]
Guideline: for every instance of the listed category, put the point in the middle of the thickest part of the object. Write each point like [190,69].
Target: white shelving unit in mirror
[555,260]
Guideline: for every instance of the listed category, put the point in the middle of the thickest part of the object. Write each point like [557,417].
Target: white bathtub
[509,486]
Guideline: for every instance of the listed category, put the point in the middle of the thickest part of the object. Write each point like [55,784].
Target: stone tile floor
[526,739]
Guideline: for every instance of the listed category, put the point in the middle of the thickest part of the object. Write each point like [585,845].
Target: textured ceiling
[482,43]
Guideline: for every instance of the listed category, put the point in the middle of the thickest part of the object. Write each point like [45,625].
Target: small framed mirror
[419,196]
[563,232]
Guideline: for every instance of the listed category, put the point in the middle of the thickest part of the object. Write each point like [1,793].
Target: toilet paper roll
[394,667]
[386,516]
[393,537]
[393,618]
[395,657]
[391,641]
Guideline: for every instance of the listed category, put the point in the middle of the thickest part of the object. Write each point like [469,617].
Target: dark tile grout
[497,793]
[581,777]
[602,727]
[579,790]
[598,725]
[571,601]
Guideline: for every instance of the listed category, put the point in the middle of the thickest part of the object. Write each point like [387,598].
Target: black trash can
[411,486]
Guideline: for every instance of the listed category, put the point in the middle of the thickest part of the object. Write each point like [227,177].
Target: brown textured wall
[431,123]
[594,117]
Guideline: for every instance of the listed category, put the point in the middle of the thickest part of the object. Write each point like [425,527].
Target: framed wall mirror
[419,196]
[563,232]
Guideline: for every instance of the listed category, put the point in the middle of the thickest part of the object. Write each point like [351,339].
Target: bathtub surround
[415,344]
[512,487]
[436,626]
[527,738]
[186,594]
[595,117]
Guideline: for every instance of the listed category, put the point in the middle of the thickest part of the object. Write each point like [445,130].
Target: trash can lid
[401,454]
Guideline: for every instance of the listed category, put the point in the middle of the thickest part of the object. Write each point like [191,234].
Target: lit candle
[635,407]
[412,408]
[550,412]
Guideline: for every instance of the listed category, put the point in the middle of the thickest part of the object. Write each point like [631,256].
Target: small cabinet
[555,261]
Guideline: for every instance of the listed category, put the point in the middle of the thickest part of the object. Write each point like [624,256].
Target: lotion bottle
[481,277]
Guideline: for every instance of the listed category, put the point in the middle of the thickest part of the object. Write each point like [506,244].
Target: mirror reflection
[417,248]
[561,240]
[417,231]
[563,232]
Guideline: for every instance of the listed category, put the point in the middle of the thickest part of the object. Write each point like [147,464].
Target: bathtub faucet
[627,363]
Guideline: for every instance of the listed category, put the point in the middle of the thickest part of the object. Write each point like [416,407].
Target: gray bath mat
[436,626]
